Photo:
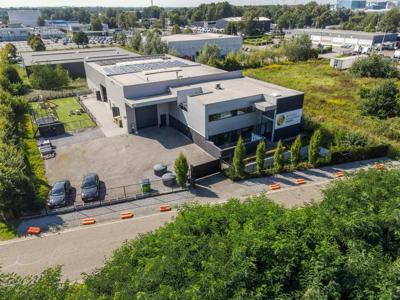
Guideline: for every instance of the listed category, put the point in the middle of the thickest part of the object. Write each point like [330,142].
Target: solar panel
[149,66]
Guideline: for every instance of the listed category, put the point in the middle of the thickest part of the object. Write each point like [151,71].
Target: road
[83,249]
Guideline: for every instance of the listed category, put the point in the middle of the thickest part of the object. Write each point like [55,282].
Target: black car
[90,187]
[59,193]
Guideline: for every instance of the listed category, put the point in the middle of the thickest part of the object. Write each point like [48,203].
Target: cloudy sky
[140,3]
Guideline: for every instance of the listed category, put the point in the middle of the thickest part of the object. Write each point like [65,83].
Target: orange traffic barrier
[126,215]
[34,230]
[164,208]
[88,221]
[379,166]
[275,186]
[300,181]
[339,174]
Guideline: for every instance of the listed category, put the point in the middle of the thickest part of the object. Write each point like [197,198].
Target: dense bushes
[48,77]
[346,247]
[356,153]
[299,49]
[376,66]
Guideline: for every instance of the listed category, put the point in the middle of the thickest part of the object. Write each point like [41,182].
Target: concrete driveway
[121,160]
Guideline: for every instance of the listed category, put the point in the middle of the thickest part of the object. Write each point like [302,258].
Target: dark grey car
[90,187]
[59,194]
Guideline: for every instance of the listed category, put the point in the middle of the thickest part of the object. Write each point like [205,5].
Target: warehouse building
[190,45]
[344,37]
[261,24]
[26,17]
[10,34]
[71,60]
[210,106]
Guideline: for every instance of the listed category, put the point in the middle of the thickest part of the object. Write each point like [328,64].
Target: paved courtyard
[122,160]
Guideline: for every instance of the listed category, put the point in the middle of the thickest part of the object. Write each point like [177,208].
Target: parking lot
[122,160]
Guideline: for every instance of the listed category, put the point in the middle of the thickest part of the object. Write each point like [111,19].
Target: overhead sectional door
[146,116]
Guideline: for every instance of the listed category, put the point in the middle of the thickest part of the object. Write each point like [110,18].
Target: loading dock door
[146,116]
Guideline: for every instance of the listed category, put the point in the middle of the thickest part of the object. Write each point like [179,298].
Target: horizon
[141,3]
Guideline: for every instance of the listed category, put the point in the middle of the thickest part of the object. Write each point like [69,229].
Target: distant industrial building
[344,37]
[190,45]
[352,4]
[261,24]
[210,106]
[49,33]
[72,60]
[26,17]
[10,34]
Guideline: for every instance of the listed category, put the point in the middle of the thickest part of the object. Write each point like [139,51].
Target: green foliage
[10,80]
[153,44]
[278,157]
[299,49]
[239,155]
[36,43]
[314,147]
[176,29]
[80,38]
[48,77]
[347,139]
[135,41]
[260,157]
[181,169]
[381,101]
[209,55]
[295,152]
[375,66]
[11,50]
[95,24]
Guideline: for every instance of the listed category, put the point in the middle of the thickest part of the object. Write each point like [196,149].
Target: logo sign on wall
[288,118]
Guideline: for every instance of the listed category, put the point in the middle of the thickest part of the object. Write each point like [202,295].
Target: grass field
[7,232]
[331,98]
[62,108]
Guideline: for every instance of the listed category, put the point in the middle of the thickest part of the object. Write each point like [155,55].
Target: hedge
[357,153]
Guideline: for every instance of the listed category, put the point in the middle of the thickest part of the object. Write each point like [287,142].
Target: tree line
[345,247]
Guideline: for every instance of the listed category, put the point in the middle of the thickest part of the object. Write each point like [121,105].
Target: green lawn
[62,108]
[331,98]
[7,231]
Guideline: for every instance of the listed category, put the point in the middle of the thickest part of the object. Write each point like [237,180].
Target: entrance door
[104,93]
[163,120]
[146,116]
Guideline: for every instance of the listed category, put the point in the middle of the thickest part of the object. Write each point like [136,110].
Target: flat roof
[197,37]
[149,69]
[74,55]
[232,89]
[339,32]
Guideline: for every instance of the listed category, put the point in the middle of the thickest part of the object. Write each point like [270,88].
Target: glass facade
[352,4]
[231,113]
[229,139]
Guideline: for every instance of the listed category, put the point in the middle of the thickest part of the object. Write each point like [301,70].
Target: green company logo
[281,120]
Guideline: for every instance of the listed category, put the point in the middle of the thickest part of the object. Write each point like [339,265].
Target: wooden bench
[379,166]
[300,181]
[126,215]
[275,186]
[34,230]
[339,174]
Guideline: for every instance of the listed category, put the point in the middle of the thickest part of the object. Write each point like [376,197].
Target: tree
[181,168]
[248,23]
[187,30]
[120,38]
[390,21]
[80,38]
[95,24]
[374,66]
[314,146]
[176,29]
[278,157]
[231,62]
[153,44]
[260,157]
[381,101]
[299,48]
[295,151]
[209,55]
[239,155]
[48,77]
[11,50]
[135,41]
[36,43]
[40,21]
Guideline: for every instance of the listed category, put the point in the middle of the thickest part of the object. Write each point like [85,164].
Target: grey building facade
[210,106]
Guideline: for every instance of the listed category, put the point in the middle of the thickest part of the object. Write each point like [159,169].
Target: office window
[231,113]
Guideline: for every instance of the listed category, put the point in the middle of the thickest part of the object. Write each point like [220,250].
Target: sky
[138,3]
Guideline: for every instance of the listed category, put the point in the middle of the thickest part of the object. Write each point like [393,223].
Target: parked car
[90,187]
[58,195]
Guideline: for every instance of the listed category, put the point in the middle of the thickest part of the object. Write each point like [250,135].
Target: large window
[231,113]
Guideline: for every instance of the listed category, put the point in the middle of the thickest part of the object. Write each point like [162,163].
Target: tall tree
[260,157]
[278,157]
[239,155]
[314,147]
[181,168]
[295,151]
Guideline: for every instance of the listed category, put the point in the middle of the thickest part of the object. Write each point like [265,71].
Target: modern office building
[343,37]
[210,106]
[10,34]
[72,60]
[190,45]
[352,4]
[26,17]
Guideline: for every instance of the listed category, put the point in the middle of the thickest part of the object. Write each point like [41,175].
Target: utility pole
[151,2]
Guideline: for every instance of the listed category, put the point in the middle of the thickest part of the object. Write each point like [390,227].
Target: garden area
[67,110]
[258,40]
[332,101]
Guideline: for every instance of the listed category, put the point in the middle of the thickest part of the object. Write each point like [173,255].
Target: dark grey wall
[289,103]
